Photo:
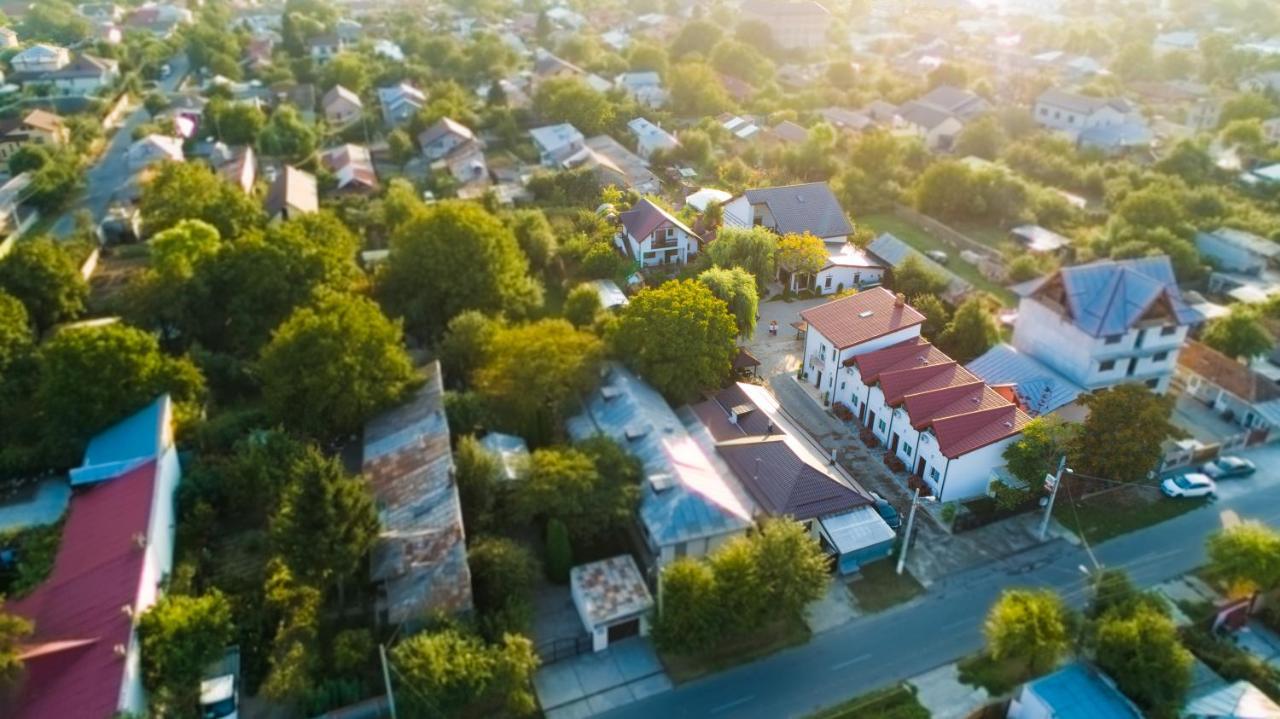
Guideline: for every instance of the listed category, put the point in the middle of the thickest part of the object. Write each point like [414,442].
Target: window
[1114,339]
[1153,383]
[822,349]
[906,449]
[880,424]
[682,549]
[834,352]
[1106,366]
[671,233]
[842,385]
[933,474]
[826,284]
[1160,357]
[924,439]
[1170,330]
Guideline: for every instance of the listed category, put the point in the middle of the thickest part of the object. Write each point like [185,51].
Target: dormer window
[1114,339]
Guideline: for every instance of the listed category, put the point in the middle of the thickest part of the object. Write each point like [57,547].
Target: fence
[565,648]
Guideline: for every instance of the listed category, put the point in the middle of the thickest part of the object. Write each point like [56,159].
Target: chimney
[899,300]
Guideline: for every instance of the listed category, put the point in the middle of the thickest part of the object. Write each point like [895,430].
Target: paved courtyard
[592,683]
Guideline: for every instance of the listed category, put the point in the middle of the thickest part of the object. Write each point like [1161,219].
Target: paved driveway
[589,684]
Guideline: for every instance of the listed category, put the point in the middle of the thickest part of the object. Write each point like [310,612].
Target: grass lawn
[736,650]
[923,241]
[1120,512]
[997,677]
[880,587]
[892,703]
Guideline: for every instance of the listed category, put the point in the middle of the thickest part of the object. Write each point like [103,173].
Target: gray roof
[682,500]
[443,127]
[1241,699]
[894,252]
[1084,104]
[922,115]
[808,208]
[1114,137]
[955,100]
[846,118]
[1244,240]
[1109,297]
[421,554]
[1041,388]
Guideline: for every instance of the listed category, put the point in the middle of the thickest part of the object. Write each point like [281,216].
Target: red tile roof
[1227,373]
[963,433]
[915,352]
[783,483]
[861,317]
[72,668]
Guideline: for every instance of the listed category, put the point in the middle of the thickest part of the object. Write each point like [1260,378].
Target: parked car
[1227,467]
[1192,484]
[937,256]
[887,512]
[220,687]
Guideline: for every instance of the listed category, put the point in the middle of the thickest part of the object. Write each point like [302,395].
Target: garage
[624,630]
[612,600]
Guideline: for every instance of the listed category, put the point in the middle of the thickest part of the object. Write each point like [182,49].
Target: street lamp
[906,536]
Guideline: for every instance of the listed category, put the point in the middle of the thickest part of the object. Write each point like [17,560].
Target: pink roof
[861,317]
[645,217]
[72,668]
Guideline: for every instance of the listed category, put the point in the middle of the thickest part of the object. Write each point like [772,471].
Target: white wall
[821,356]
[846,278]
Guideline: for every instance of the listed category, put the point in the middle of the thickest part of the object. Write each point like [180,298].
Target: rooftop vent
[899,300]
[139,540]
[636,431]
[127,610]
[120,650]
[610,392]
[661,482]
[1008,425]
[865,314]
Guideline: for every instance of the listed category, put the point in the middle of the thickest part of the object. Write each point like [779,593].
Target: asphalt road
[946,624]
[105,179]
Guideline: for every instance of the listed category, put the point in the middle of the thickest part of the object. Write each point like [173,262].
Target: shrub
[559,553]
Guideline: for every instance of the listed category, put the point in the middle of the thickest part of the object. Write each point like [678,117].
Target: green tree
[326,523]
[235,123]
[1145,656]
[754,250]
[697,36]
[737,288]
[679,336]
[466,346]
[801,253]
[92,377]
[792,567]
[559,552]
[696,90]
[1031,628]
[53,21]
[741,60]
[16,338]
[984,138]
[947,190]
[1246,557]
[1190,161]
[29,158]
[1240,334]
[571,100]
[936,315]
[179,191]
[293,658]
[458,675]
[504,574]
[582,305]
[452,257]
[1120,439]
[690,619]
[46,280]
[334,364]
[567,484]
[180,635]
[535,236]
[13,630]
[914,278]
[401,147]
[643,56]
[348,70]
[478,473]
[1246,134]
[536,372]
[1114,594]
[971,332]
[1246,107]
[1039,449]
[287,136]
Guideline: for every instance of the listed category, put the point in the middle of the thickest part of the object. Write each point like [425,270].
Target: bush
[503,575]
[559,553]
[868,438]
[1007,497]
[894,464]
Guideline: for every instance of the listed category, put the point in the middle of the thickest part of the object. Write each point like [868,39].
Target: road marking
[732,704]
[855,660]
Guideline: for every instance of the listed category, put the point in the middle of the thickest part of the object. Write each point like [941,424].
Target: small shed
[511,450]
[1038,239]
[611,296]
[612,599]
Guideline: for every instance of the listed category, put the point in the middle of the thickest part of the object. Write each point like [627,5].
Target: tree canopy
[571,100]
[1240,334]
[1120,440]
[180,635]
[971,331]
[754,250]
[42,275]
[679,336]
[1141,650]
[1246,557]
[567,484]
[1028,627]
[465,677]
[801,253]
[179,191]
[913,278]
[737,288]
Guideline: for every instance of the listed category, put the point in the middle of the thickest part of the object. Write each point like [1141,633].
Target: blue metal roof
[894,251]
[1041,388]
[1077,692]
[636,416]
[136,439]
[1109,297]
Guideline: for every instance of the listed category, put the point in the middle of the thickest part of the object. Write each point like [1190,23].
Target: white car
[1193,484]
[1227,467]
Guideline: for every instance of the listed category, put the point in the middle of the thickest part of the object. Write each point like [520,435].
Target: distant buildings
[792,23]
[293,192]
[400,103]
[1109,124]
[650,138]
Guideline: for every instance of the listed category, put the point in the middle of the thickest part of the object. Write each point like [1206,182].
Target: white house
[644,87]
[650,138]
[556,143]
[39,59]
[352,168]
[1231,389]
[1176,41]
[324,48]
[1106,323]
[442,138]
[612,600]
[1061,110]
[846,269]
[1235,250]
[341,107]
[797,209]
[652,236]
[937,128]
[849,326]
[400,103]
[154,148]
[85,75]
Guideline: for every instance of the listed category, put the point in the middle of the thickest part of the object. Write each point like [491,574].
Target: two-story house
[557,143]
[37,127]
[324,48]
[1106,323]
[793,209]
[652,236]
[400,103]
[844,328]
[650,138]
[39,59]
[1109,124]
[341,107]
[442,138]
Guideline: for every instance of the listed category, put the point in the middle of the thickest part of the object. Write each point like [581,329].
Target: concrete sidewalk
[597,682]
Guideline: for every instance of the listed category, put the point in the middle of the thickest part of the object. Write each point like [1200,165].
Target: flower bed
[842,411]
[868,438]
[894,464]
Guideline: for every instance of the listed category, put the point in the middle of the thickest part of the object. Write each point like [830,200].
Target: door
[818,383]
[629,628]
[893,446]
[871,420]
[920,467]
[862,413]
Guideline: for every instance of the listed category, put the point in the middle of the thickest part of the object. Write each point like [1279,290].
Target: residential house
[847,268]
[1105,323]
[557,143]
[643,87]
[8,39]
[1072,692]
[689,507]
[37,127]
[614,165]
[292,193]
[788,133]
[740,127]
[792,209]
[1238,700]
[101,11]
[442,138]
[547,66]
[1261,82]
[160,19]
[1237,251]
[152,149]
[847,120]
[893,252]
[793,24]
[388,50]
[1069,67]
[942,421]
[1109,124]
[957,102]
[17,215]
[1037,388]
[420,560]
[84,75]
[324,48]
[650,138]
[883,113]
[1230,389]
[257,53]
[936,128]
[348,30]
[352,168]
[740,90]
[1177,41]
[468,166]
[240,168]
[651,236]
[341,107]
[300,95]
[612,600]
[114,557]
[1035,238]
[788,475]
[400,103]
[39,59]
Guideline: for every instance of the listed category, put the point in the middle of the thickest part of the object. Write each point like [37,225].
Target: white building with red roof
[652,236]
[83,659]
[851,326]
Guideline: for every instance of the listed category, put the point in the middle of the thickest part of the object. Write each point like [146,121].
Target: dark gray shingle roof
[808,208]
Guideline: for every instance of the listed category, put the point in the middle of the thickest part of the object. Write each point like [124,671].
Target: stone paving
[593,683]
[945,696]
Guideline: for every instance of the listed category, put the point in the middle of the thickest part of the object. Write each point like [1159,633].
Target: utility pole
[386,679]
[1048,510]
[906,536]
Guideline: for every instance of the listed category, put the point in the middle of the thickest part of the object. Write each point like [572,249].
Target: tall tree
[971,332]
[1143,653]
[458,675]
[466,346]
[914,278]
[451,257]
[180,191]
[16,338]
[180,635]
[1039,448]
[535,372]
[678,336]
[567,484]
[582,305]
[1031,628]
[737,288]
[936,315]
[44,277]
[1240,334]
[571,100]
[1246,557]
[294,654]
[689,619]
[801,253]
[287,136]
[1120,440]
[504,574]
[13,629]
[754,250]
[478,473]
[535,236]
[334,364]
